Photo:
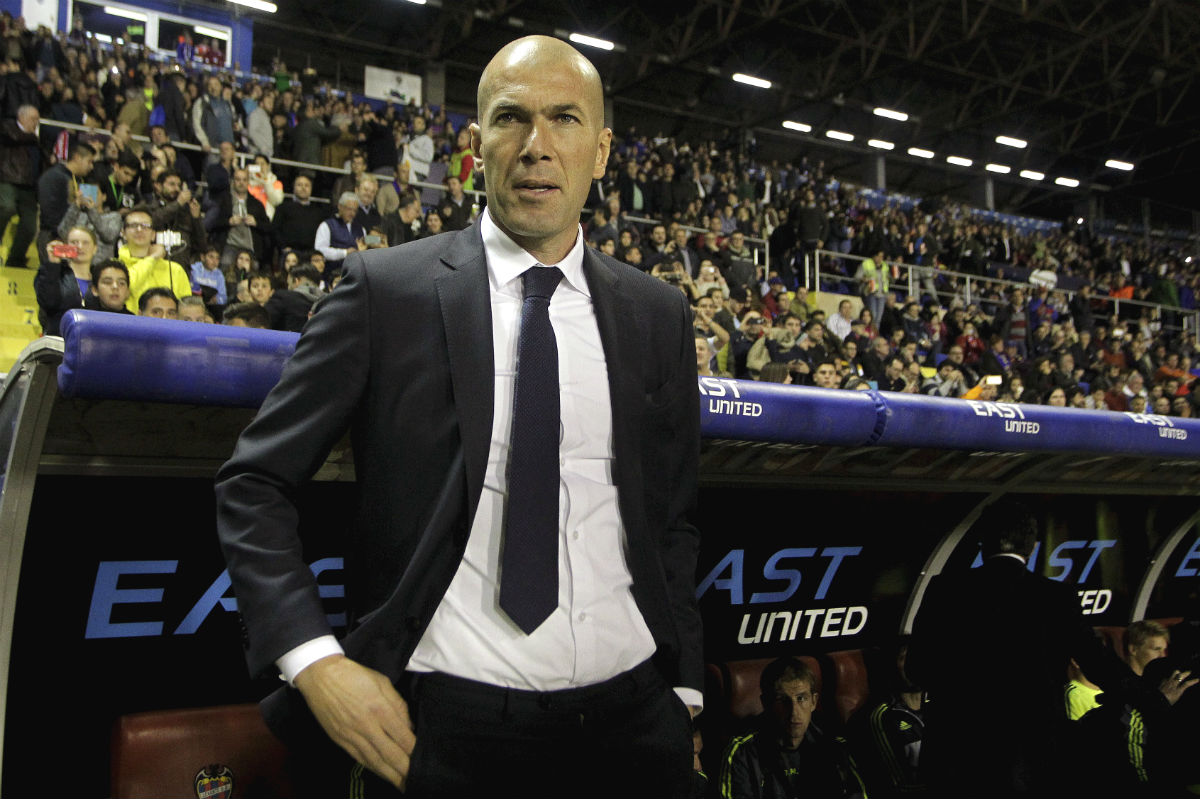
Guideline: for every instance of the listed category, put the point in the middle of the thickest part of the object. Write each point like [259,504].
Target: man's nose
[535,145]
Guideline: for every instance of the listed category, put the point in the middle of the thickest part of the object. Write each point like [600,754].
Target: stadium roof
[1080,81]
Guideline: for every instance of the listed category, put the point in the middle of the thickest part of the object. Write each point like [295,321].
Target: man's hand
[362,713]
[250,220]
[1173,687]
[185,196]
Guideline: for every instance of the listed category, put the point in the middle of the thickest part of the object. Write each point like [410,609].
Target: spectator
[241,221]
[264,186]
[773,373]
[193,309]
[341,235]
[21,165]
[63,281]
[56,189]
[405,224]
[259,284]
[418,153]
[297,218]
[212,118]
[289,309]
[455,209]
[258,126]
[310,134]
[148,270]
[367,217]
[208,278]
[246,314]
[159,303]
[358,168]
[177,216]
[786,754]
[104,225]
[888,733]
[109,289]
[391,191]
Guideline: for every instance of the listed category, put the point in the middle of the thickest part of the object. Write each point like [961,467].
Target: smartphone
[372,240]
[91,191]
[64,252]
[254,169]
[993,380]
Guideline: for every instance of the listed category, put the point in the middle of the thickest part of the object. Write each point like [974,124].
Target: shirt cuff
[692,698]
[294,661]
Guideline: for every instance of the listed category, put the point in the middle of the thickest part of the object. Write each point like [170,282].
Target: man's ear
[476,143]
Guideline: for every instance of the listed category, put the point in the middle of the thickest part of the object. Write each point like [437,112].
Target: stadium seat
[166,754]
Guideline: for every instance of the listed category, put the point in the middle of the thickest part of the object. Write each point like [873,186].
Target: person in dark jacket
[289,308]
[21,162]
[57,187]
[110,288]
[174,106]
[62,283]
[787,755]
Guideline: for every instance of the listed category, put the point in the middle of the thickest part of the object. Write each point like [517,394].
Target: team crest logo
[214,782]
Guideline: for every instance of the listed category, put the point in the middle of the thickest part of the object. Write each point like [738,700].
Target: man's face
[227,152]
[894,368]
[124,175]
[844,309]
[112,287]
[680,238]
[826,376]
[170,187]
[955,355]
[260,290]
[1152,648]
[418,125]
[82,163]
[138,229]
[736,240]
[792,707]
[816,334]
[658,235]
[161,308]
[542,140]
[213,86]
[302,188]
[793,326]
[241,181]
[454,185]
[366,192]
[192,313]
[703,353]
[212,259]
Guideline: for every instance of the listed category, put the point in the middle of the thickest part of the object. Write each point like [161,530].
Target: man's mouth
[535,186]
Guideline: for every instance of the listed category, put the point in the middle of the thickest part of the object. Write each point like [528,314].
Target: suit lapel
[466,308]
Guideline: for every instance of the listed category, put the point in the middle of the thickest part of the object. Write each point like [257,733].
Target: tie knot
[541,281]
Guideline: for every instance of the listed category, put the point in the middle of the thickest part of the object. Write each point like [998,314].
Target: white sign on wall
[393,86]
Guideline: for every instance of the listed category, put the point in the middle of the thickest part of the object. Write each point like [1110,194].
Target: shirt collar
[506,260]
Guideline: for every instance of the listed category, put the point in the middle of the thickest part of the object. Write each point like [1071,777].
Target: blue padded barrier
[117,356]
[114,356]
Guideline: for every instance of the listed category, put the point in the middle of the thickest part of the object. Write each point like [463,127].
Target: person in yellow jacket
[872,277]
[147,268]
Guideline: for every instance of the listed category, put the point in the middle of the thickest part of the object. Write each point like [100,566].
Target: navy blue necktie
[529,560]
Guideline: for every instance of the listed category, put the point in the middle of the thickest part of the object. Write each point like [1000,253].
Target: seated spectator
[786,754]
[159,303]
[297,219]
[433,225]
[391,191]
[825,375]
[146,269]
[775,373]
[405,224]
[289,309]
[341,235]
[455,209]
[368,216]
[246,314]
[839,323]
[947,381]
[110,288]
[1080,693]
[259,284]
[193,309]
[208,278]
[62,282]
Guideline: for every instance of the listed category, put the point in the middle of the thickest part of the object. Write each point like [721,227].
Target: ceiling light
[1070,183]
[211,32]
[958,160]
[591,41]
[120,12]
[888,113]
[750,80]
[797,126]
[999,168]
[881,144]
[260,5]
[1113,163]
[839,135]
[1032,174]
[920,153]
[1009,141]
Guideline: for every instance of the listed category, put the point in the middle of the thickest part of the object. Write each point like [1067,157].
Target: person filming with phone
[64,278]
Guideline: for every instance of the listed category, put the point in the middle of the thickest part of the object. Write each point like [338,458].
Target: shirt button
[562,462]
[583,617]
[574,535]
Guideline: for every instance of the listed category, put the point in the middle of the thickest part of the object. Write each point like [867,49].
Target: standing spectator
[176,215]
[264,186]
[21,164]
[62,282]
[56,189]
[212,118]
[241,221]
[462,161]
[310,134]
[258,126]
[419,150]
[170,96]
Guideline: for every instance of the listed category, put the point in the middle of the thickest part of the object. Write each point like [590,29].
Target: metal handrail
[1190,319]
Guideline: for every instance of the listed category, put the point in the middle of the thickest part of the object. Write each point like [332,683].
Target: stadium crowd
[740,237]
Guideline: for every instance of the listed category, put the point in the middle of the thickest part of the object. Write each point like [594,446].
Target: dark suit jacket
[401,354]
[991,646]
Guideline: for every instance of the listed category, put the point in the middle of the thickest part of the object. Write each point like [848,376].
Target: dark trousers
[629,736]
[21,201]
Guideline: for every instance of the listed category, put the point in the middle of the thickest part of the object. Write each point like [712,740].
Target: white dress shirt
[597,631]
